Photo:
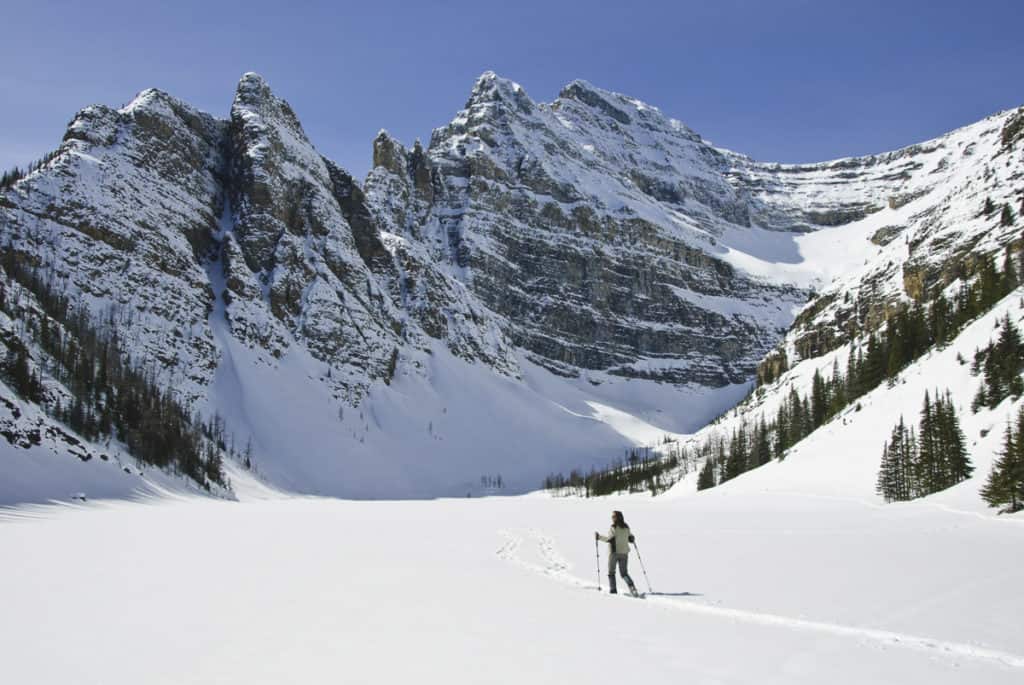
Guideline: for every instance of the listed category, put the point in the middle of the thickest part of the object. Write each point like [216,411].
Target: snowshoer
[618,540]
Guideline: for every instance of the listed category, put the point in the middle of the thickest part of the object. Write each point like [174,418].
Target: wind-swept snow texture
[758,588]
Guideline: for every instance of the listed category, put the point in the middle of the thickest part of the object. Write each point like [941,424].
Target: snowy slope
[842,458]
[41,460]
[438,429]
[930,238]
[544,285]
[765,588]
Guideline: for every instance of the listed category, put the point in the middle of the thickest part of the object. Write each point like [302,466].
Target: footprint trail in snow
[554,566]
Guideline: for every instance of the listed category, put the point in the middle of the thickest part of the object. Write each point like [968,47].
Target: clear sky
[785,80]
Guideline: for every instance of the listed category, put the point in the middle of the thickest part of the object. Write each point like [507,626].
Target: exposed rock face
[589,234]
[157,198]
[122,216]
[295,251]
[423,277]
[571,222]
[608,236]
[933,232]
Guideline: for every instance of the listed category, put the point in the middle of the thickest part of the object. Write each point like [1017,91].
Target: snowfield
[794,572]
[766,588]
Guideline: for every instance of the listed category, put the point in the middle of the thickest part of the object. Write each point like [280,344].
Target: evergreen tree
[1009,273]
[853,387]
[917,334]
[706,479]
[781,431]
[736,461]
[885,485]
[897,351]
[819,400]
[989,283]
[762,449]
[1006,217]
[837,394]
[807,424]
[989,207]
[956,464]
[1009,354]
[926,478]
[895,477]
[938,320]
[721,457]
[907,464]
[872,370]
[1005,484]
[796,418]
[1001,364]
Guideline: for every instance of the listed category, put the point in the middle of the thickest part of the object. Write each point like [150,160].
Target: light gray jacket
[621,538]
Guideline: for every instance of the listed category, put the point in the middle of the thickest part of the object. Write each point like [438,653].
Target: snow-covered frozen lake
[768,588]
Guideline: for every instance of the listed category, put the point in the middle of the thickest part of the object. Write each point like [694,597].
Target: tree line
[1006,217]
[1000,364]
[909,333]
[111,396]
[637,471]
[12,176]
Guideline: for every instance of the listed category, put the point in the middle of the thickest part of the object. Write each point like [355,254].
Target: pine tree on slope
[956,464]
[1006,217]
[895,477]
[762,449]
[706,479]
[926,475]
[1005,484]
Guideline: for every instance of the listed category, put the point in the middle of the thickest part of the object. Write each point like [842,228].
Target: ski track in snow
[555,566]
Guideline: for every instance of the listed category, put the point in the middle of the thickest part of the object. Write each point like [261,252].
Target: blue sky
[786,81]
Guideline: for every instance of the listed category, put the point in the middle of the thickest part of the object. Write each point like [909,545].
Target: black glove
[632,539]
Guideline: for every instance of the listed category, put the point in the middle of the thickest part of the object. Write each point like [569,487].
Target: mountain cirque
[591,236]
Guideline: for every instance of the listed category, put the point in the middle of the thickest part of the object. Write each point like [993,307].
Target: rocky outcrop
[121,217]
[307,241]
[592,235]
[610,237]
[933,233]
[584,247]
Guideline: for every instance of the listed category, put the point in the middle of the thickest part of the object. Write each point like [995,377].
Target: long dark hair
[619,522]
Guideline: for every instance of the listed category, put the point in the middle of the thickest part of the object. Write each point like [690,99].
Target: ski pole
[641,559]
[597,556]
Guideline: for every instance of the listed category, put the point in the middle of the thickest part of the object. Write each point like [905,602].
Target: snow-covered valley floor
[769,588]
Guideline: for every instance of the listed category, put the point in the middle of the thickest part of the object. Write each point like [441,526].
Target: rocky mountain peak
[254,100]
[581,91]
[152,99]
[491,89]
[388,153]
[623,109]
[592,236]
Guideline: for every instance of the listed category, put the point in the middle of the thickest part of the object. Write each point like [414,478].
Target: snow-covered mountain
[543,285]
[962,210]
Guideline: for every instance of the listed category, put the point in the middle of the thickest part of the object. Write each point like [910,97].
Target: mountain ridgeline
[534,261]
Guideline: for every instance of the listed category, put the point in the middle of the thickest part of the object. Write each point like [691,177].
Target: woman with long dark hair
[618,540]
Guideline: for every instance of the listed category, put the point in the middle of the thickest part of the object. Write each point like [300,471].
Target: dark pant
[623,561]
